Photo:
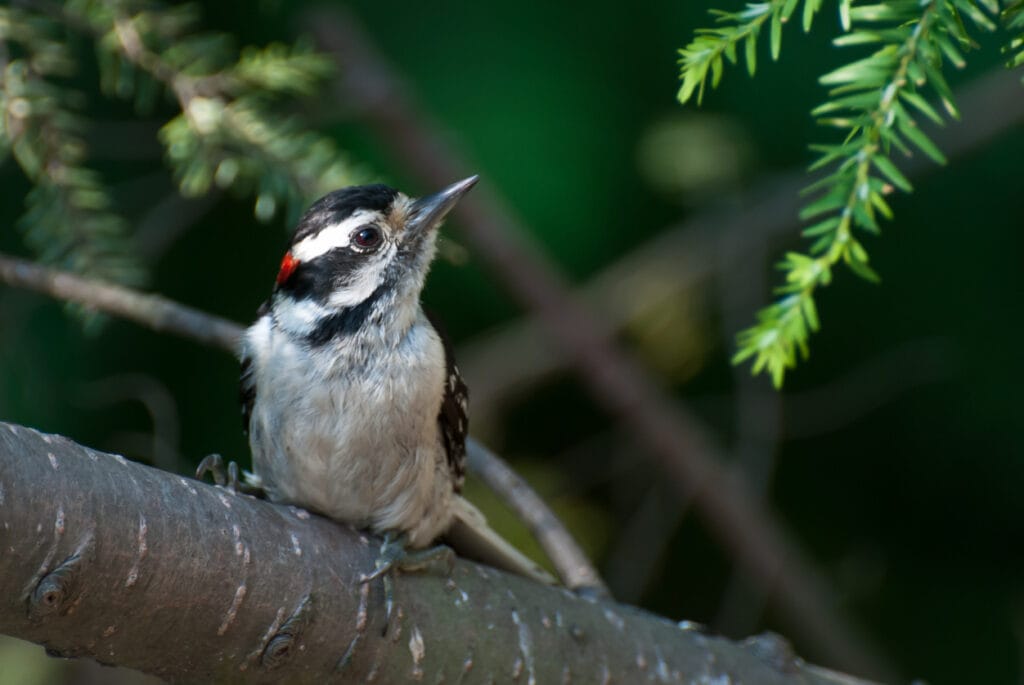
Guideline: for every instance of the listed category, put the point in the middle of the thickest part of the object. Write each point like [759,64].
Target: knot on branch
[55,592]
[279,647]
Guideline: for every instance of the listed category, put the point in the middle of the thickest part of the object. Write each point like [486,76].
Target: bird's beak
[428,212]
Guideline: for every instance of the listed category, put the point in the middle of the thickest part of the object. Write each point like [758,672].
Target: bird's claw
[212,464]
[231,477]
[395,556]
[381,569]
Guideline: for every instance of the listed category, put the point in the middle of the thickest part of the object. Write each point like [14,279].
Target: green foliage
[230,131]
[233,129]
[877,102]
[707,52]
[68,220]
[1013,20]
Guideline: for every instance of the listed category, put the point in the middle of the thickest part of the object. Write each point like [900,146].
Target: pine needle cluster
[230,119]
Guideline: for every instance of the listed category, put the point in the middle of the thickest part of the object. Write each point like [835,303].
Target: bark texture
[109,559]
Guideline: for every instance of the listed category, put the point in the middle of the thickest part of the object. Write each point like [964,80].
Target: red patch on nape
[288,265]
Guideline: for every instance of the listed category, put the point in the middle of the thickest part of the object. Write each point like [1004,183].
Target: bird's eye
[367,238]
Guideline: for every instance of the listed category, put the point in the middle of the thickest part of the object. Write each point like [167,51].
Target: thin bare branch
[137,567]
[153,311]
[574,568]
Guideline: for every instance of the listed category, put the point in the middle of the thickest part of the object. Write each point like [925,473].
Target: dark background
[895,456]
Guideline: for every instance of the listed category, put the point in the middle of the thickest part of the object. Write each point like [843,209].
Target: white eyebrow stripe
[331,237]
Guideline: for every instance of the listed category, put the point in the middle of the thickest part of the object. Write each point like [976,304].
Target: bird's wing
[453,419]
[454,424]
[469,534]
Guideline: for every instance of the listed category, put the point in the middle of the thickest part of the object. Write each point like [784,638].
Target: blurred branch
[632,563]
[676,440]
[679,259]
[894,371]
[169,219]
[757,411]
[163,315]
[687,254]
[263,593]
[159,448]
[153,311]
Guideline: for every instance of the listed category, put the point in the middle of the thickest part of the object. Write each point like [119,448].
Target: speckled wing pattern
[453,422]
[453,419]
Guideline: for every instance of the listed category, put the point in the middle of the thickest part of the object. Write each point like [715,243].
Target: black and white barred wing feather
[453,420]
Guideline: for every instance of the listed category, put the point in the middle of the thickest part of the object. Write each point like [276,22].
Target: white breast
[353,435]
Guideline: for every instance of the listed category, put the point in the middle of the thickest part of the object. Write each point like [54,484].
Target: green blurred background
[894,454]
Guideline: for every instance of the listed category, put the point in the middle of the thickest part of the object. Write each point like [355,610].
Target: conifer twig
[876,101]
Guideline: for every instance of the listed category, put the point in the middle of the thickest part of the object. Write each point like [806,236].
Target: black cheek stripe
[344,323]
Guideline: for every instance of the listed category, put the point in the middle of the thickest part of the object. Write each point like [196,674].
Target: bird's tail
[471,537]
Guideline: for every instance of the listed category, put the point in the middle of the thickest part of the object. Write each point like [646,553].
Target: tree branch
[153,311]
[573,567]
[137,567]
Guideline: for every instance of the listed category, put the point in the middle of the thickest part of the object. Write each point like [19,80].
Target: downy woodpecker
[351,398]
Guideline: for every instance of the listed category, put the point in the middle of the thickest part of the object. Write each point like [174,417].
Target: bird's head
[359,256]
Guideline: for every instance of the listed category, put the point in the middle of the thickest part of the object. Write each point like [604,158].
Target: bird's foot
[396,556]
[228,477]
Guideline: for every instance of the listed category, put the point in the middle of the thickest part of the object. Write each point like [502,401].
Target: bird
[353,403]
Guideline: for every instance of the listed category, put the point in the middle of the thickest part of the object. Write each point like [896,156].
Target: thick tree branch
[162,314]
[129,565]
